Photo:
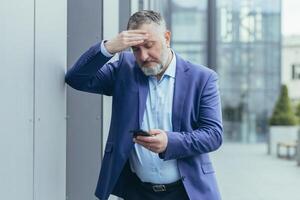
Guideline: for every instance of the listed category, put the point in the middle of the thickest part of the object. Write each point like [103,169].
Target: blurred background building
[291,66]
[52,136]
[241,40]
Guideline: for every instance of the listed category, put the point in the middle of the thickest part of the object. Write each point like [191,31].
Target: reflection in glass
[248,62]
[187,21]
[248,55]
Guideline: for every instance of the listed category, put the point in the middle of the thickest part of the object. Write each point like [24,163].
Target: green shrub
[298,112]
[283,113]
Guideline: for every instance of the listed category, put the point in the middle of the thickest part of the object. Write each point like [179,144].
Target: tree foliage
[283,113]
[298,112]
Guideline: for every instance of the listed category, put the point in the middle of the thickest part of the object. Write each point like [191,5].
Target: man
[155,90]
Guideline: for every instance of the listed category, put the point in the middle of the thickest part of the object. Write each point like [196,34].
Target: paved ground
[246,172]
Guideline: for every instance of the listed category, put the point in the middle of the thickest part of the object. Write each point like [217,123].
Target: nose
[143,55]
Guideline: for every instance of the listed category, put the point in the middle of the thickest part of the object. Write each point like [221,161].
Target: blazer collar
[180,90]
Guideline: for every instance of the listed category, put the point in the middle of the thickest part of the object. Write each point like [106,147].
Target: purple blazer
[196,118]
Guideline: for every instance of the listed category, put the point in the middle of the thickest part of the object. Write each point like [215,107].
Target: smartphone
[140,132]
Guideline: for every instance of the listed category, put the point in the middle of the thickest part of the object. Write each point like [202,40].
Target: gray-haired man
[176,102]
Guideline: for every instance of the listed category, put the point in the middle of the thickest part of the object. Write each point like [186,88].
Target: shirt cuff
[104,50]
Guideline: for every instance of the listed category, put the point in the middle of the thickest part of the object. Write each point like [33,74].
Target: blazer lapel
[143,91]
[181,87]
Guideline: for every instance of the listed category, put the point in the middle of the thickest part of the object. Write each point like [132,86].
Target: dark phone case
[139,133]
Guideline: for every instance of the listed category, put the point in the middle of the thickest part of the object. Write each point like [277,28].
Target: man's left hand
[157,142]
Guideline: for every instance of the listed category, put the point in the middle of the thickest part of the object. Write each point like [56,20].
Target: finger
[148,139]
[150,146]
[155,131]
[137,31]
[142,139]
[133,35]
[130,34]
[134,43]
[144,144]
[130,39]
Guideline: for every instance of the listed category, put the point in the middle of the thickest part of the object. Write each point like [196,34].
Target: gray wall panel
[124,13]
[84,110]
[16,108]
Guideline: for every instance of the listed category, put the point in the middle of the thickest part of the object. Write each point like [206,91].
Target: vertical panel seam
[34,97]
[102,115]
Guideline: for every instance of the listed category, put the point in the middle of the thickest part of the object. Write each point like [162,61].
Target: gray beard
[152,71]
[157,69]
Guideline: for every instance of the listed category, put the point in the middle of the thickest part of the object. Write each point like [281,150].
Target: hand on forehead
[142,33]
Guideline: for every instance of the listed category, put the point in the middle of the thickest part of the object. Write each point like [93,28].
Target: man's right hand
[126,39]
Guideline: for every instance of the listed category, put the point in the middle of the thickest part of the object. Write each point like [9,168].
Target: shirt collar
[172,67]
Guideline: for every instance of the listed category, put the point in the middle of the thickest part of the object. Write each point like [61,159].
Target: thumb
[155,131]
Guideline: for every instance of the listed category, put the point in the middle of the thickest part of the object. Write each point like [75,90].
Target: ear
[168,38]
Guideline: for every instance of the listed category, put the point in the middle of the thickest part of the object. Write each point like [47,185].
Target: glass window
[189,29]
[248,55]
[248,63]
[296,71]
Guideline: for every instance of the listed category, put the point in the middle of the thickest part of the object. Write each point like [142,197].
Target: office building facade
[241,41]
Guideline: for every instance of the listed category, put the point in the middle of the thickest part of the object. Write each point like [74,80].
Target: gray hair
[145,17]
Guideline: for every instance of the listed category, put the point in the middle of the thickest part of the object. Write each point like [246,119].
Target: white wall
[33,104]
[50,100]
[290,56]
[16,108]
[110,30]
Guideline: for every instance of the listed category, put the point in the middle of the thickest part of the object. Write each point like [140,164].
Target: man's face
[152,55]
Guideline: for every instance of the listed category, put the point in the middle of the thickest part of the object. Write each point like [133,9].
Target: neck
[170,56]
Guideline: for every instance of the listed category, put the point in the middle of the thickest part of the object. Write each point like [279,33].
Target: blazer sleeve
[206,138]
[91,72]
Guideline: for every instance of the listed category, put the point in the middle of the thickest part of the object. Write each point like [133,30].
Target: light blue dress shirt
[158,115]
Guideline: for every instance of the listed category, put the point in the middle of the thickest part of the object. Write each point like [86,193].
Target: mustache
[149,61]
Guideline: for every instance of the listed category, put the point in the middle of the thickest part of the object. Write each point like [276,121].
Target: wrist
[108,46]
